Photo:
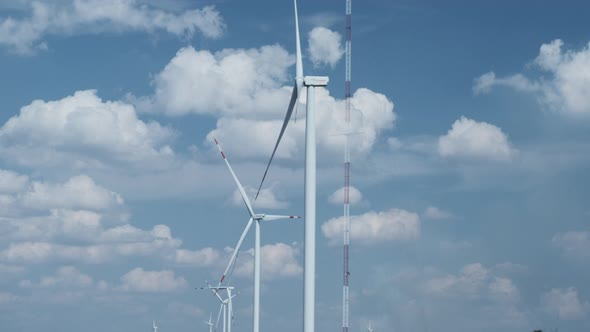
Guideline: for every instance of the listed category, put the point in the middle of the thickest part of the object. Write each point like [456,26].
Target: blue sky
[470,204]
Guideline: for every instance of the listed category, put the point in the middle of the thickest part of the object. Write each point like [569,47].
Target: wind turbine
[155,326]
[369,329]
[253,217]
[209,323]
[226,306]
[311,83]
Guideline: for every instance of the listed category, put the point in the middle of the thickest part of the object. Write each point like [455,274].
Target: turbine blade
[295,95]
[218,316]
[240,188]
[299,60]
[234,254]
[277,217]
[294,98]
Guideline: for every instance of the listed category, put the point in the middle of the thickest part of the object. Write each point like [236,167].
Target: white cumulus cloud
[564,303]
[231,81]
[140,280]
[77,192]
[325,47]
[73,17]
[475,140]
[354,196]
[375,227]
[266,199]
[473,281]
[249,89]
[377,116]
[434,213]
[574,244]
[11,182]
[277,260]
[201,257]
[82,131]
[65,276]
[563,86]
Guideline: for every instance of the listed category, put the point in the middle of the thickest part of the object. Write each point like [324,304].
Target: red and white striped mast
[346,274]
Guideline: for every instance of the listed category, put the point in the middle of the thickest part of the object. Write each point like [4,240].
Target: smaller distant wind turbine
[155,326]
[369,329]
[209,323]
[226,306]
[253,217]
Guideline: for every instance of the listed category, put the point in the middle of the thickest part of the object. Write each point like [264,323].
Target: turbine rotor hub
[258,216]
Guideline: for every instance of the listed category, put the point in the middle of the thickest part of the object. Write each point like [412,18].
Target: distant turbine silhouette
[210,323]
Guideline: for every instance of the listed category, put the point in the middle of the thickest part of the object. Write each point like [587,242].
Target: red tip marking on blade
[222,279]
[223,154]
[215,139]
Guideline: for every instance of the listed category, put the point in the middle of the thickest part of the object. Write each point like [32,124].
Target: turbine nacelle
[316,80]
[269,217]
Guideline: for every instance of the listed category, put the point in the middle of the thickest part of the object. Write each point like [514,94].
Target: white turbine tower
[253,217]
[369,329]
[154,326]
[311,83]
[209,323]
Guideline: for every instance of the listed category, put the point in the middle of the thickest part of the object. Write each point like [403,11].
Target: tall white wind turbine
[257,218]
[311,83]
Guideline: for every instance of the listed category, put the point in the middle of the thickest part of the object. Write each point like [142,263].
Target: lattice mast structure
[346,272]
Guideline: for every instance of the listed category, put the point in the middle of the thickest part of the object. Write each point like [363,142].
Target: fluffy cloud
[372,112]
[11,182]
[375,227]
[564,303]
[434,213]
[354,196]
[78,192]
[276,260]
[139,280]
[471,298]
[246,88]
[573,244]
[232,81]
[73,17]
[84,129]
[41,243]
[325,47]
[478,140]
[503,289]
[66,276]
[487,81]
[110,245]
[566,86]
[266,199]
[201,257]
[473,281]
[79,221]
